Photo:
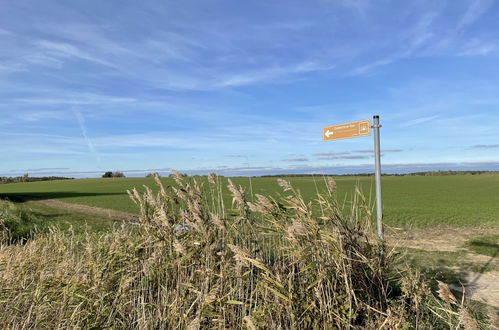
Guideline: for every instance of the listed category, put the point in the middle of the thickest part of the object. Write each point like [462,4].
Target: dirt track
[85,209]
[442,238]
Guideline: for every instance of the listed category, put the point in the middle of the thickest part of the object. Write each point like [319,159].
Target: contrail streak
[81,123]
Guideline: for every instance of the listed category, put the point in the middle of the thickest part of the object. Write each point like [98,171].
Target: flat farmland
[409,201]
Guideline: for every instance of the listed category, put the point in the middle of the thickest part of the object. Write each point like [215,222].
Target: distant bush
[152,175]
[114,174]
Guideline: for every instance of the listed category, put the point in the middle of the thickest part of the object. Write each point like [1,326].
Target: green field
[159,261]
[409,201]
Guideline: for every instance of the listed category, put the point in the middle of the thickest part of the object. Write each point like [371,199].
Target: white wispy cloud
[184,57]
[5,32]
[362,7]
[34,116]
[43,169]
[77,99]
[330,154]
[65,50]
[478,47]
[273,73]
[148,59]
[486,146]
[407,44]
[12,67]
[420,120]
[44,60]
[475,9]
[83,128]
[298,159]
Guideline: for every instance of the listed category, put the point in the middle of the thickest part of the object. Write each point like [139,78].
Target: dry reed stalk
[193,267]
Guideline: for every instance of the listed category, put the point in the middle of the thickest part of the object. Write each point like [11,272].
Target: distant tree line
[153,174]
[308,175]
[27,178]
[433,173]
[427,173]
[204,175]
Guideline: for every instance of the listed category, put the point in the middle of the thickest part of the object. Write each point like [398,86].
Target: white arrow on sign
[328,133]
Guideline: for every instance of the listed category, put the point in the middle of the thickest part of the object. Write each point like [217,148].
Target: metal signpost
[377,166]
[359,129]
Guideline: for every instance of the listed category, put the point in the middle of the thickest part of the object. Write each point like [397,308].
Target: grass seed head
[238,194]
[331,184]
[445,294]
[285,185]
[212,179]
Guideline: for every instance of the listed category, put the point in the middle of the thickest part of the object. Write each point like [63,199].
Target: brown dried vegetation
[271,264]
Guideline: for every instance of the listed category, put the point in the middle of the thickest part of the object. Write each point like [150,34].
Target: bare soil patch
[484,286]
[437,238]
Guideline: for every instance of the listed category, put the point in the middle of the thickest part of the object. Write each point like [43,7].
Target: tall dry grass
[268,264]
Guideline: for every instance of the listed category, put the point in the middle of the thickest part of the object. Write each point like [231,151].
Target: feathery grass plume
[212,179]
[297,228]
[239,254]
[135,197]
[162,190]
[285,185]
[331,184]
[217,221]
[295,201]
[263,205]
[177,246]
[445,294]
[177,176]
[238,194]
[181,193]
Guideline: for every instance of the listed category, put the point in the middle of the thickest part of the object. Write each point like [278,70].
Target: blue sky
[245,87]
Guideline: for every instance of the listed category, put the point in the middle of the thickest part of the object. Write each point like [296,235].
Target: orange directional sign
[347,131]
